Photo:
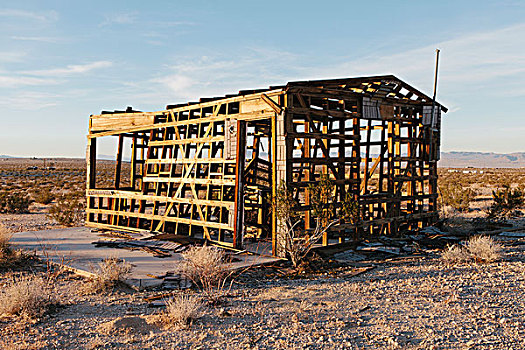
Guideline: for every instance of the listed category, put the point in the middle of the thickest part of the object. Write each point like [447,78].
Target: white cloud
[42,39]
[49,16]
[119,18]
[470,58]
[70,69]
[29,101]
[17,81]
[11,56]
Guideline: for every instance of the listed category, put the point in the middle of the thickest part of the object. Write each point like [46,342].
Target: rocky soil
[401,303]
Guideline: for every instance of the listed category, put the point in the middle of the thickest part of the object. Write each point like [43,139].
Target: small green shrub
[457,196]
[14,203]
[506,201]
[68,211]
[43,196]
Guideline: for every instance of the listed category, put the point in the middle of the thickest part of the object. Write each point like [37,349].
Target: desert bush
[483,249]
[182,311]
[68,211]
[296,242]
[27,296]
[108,274]
[477,248]
[455,254]
[14,203]
[5,238]
[506,201]
[43,196]
[206,267]
[457,196]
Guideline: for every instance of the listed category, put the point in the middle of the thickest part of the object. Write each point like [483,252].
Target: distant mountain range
[481,160]
[448,159]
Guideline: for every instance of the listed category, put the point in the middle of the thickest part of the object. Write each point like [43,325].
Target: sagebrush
[477,248]
[206,267]
[28,296]
[456,195]
[68,211]
[108,274]
[14,202]
[182,311]
[506,200]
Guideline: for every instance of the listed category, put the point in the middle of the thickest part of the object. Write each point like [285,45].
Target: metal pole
[431,128]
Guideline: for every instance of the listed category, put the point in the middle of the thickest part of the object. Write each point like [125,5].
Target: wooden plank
[223,182]
[139,196]
[160,217]
[187,141]
[252,115]
[239,185]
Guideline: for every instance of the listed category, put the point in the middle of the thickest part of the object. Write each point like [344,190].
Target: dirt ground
[400,302]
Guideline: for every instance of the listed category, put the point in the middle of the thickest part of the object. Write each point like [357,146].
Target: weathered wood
[197,169]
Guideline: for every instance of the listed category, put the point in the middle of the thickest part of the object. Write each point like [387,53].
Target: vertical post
[433,158]
[133,174]
[118,165]
[273,155]
[91,159]
[239,185]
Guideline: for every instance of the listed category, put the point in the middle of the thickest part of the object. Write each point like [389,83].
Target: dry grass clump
[27,296]
[182,311]
[5,238]
[484,249]
[455,254]
[206,267]
[109,273]
[9,257]
[477,248]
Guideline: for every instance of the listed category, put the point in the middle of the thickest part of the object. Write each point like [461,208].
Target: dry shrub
[456,195]
[43,196]
[477,248]
[455,254]
[68,211]
[207,268]
[9,257]
[27,296]
[5,238]
[14,203]
[483,249]
[109,273]
[182,311]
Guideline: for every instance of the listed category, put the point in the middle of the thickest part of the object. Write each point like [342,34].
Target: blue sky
[61,61]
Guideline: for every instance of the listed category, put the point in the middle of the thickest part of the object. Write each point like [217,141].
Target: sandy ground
[404,303]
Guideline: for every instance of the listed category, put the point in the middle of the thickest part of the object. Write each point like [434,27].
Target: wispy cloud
[11,56]
[18,81]
[119,18]
[70,69]
[42,39]
[194,77]
[467,59]
[48,16]
[29,100]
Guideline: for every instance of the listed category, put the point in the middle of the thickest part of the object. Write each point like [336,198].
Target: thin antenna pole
[431,129]
[435,83]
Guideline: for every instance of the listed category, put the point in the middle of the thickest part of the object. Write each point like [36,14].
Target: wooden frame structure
[208,169]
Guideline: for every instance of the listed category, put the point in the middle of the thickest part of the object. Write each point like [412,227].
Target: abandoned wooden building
[208,169]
